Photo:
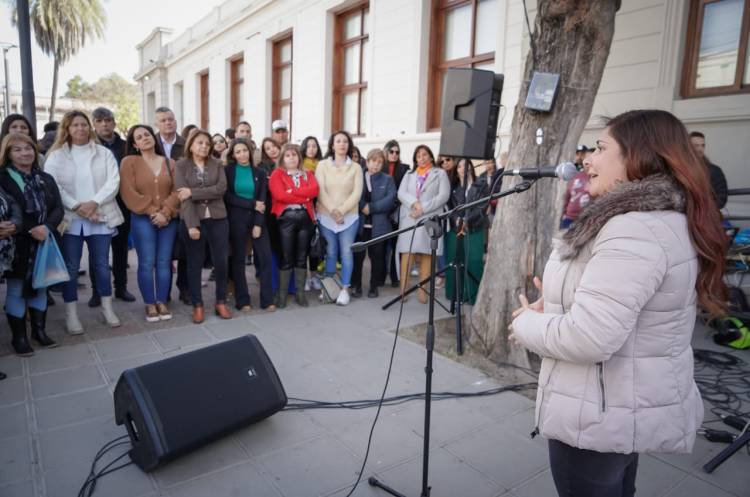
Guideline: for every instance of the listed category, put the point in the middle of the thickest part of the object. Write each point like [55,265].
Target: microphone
[564,171]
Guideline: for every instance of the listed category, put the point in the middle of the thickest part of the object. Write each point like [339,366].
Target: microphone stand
[433,225]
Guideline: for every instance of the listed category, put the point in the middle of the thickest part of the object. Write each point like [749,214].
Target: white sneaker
[315,283]
[343,297]
[308,286]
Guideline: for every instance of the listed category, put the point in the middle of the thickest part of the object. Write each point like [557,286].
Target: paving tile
[11,365]
[311,468]
[392,441]
[281,430]
[20,489]
[15,462]
[125,482]
[61,357]
[179,338]
[732,476]
[501,455]
[13,421]
[66,381]
[540,485]
[12,391]
[126,346]
[694,487]
[115,368]
[232,328]
[72,408]
[449,419]
[241,480]
[72,448]
[449,477]
[217,455]
[363,489]
[655,477]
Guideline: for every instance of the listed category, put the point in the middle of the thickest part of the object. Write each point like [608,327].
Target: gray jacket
[619,313]
[435,194]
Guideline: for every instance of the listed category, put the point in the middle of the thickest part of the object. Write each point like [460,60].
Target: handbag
[318,245]
[49,265]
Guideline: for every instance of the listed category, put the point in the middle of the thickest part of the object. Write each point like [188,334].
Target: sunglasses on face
[394,152]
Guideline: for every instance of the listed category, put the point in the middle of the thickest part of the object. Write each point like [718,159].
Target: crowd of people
[643,250]
[192,200]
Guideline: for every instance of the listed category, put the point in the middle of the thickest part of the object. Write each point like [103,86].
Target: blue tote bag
[49,265]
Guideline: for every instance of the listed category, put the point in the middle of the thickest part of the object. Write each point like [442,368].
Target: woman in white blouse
[88,178]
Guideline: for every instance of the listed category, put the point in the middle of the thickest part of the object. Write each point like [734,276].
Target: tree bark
[571,38]
[53,98]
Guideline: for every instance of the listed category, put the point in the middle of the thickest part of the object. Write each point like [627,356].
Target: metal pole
[27,75]
[7,83]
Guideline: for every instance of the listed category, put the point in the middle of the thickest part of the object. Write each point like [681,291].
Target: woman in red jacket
[292,191]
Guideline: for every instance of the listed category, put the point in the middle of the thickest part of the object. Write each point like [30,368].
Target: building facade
[376,68]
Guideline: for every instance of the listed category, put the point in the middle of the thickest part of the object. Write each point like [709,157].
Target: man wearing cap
[104,126]
[577,191]
[280,131]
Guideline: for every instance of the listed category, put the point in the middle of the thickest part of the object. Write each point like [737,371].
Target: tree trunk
[571,38]
[53,99]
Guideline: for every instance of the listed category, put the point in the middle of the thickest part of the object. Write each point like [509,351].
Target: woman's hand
[194,233]
[260,206]
[7,229]
[87,209]
[184,194]
[537,306]
[38,233]
[416,210]
[159,220]
[337,216]
[366,210]
[256,231]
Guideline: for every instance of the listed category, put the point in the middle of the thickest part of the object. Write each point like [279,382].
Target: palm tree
[62,28]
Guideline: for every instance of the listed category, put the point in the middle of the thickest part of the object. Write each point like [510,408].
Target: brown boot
[222,310]
[198,314]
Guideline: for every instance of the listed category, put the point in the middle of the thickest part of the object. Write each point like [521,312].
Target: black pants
[215,232]
[377,261]
[119,253]
[296,230]
[393,264]
[587,473]
[238,237]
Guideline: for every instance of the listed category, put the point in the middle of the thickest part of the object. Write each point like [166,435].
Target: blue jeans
[15,302]
[72,248]
[340,244]
[154,248]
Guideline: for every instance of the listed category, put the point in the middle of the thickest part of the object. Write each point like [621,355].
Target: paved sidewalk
[57,411]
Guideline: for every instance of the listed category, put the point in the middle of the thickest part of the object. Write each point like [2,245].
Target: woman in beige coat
[618,308]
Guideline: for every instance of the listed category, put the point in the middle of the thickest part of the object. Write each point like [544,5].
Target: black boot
[38,324]
[284,276]
[299,283]
[20,341]
[124,295]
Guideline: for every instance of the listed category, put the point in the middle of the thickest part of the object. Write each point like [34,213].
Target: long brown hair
[655,141]
[63,134]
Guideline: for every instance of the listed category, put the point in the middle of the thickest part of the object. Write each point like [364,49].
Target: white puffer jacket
[617,368]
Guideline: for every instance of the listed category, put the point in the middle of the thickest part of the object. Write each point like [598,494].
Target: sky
[128,23]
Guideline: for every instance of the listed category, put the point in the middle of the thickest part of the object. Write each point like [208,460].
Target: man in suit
[715,174]
[174,148]
[172,143]
[104,126]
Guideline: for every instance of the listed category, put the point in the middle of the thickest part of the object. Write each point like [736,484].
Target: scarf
[310,164]
[422,173]
[7,246]
[296,175]
[658,192]
[33,194]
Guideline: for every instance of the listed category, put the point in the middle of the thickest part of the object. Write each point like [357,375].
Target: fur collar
[657,192]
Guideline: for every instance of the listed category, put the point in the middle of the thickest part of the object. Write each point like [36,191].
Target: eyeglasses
[394,152]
